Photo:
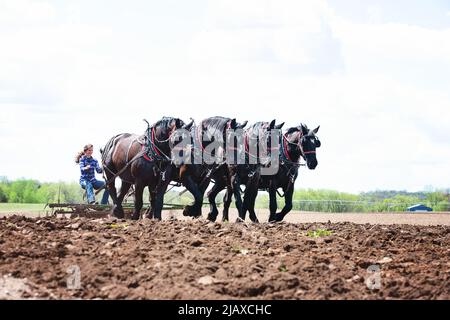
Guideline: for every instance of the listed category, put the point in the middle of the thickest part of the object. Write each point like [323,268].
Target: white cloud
[20,12]
[287,32]
[395,49]
[375,14]
[266,14]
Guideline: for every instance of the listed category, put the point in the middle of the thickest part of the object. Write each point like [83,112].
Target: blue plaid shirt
[89,174]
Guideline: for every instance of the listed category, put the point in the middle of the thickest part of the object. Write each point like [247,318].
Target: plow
[72,210]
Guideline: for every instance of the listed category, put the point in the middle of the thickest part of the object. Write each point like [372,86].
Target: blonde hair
[81,153]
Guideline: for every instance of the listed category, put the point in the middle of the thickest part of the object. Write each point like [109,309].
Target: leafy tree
[3,197]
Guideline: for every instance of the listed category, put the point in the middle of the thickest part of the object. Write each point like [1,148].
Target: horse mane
[215,124]
[164,122]
[293,129]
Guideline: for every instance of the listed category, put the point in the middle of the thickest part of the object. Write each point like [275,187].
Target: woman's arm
[97,167]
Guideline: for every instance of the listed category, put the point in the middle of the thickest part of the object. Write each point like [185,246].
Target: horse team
[218,150]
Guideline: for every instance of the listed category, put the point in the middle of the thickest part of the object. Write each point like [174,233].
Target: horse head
[162,133]
[308,143]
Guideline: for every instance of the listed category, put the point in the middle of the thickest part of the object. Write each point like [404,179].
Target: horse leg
[212,215]
[118,210]
[122,193]
[288,194]
[161,188]
[226,203]
[273,202]
[251,192]
[138,193]
[251,207]
[235,183]
[152,204]
[194,210]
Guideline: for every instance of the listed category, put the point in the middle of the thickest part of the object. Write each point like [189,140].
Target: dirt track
[189,259]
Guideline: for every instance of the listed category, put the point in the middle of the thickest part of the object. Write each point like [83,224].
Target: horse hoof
[239,220]
[187,211]
[118,212]
[119,215]
[212,218]
[198,213]
[135,217]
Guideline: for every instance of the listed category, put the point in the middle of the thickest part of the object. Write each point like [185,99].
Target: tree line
[33,191]
[376,201]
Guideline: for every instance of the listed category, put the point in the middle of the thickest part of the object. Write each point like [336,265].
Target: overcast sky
[375,75]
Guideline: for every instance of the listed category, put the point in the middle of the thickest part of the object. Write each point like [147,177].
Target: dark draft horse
[296,143]
[247,173]
[150,167]
[198,170]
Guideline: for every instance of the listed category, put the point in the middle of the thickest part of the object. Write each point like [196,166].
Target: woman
[88,166]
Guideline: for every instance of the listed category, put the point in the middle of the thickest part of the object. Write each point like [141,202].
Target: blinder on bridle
[317,142]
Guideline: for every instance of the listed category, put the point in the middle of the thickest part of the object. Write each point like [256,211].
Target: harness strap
[152,151]
[153,141]
[199,138]
[129,148]
[285,149]
[146,157]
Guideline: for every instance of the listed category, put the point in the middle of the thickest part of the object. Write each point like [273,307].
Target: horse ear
[316,129]
[279,126]
[272,124]
[304,129]
[242,125]
[189,125]
[178,123]
[233,124]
